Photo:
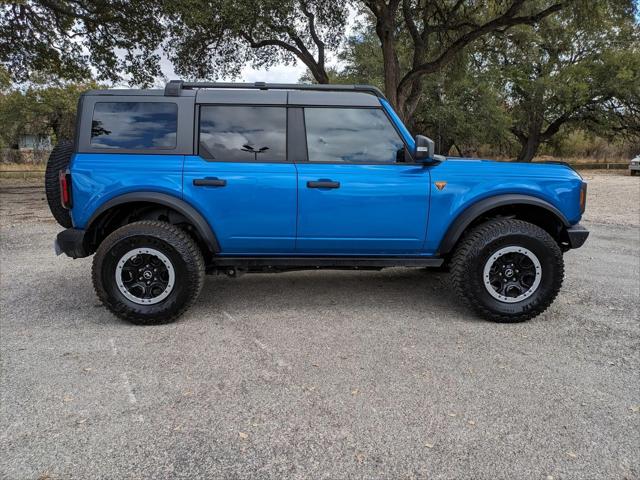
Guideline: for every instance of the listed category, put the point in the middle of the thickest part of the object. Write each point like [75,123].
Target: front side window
[134,125]
[243,133]
[351,135]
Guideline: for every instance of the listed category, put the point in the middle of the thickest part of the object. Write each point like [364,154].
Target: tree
[462,111]
[571,71]
[45,108]
[420,42]
[460,108]
[219,37]
[439,30]
[68,38]
[585,75]
[203,38]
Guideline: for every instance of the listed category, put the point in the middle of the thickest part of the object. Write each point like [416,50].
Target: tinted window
[351,135]
[134,125]
[237,134]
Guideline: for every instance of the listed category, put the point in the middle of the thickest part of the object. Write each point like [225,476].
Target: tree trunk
[530,137]
[445,146]
[55,125]
[385,31]
[320,74]
[406,104]
[529,147]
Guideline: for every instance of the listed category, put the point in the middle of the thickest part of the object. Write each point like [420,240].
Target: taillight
[583,197]
[65,189]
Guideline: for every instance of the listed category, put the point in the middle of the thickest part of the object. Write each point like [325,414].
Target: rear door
[359,192]
[241,179]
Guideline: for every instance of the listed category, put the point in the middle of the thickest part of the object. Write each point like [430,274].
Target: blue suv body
[276,177]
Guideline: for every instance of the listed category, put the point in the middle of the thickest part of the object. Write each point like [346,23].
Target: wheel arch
[525,207]
[129,204]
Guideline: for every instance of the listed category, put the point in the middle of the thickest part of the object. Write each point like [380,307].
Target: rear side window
[134,125]
[243,133]
[351,135]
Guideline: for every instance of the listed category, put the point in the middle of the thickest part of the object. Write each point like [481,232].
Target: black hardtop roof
[275,93]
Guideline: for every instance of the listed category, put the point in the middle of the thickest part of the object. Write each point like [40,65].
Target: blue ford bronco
[165,186]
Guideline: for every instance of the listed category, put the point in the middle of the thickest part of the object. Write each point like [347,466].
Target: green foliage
[508,74]
[462,112]
[573,70]
[515,91]
[203,38]
[68,38]
[45,108]
[579,143]
[219,37]
[458,108]
[421,38]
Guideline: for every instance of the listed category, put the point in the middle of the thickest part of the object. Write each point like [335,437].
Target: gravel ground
[613,199]
[321,374]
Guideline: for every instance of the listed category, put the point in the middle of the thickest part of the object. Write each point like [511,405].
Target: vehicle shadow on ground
[330,289]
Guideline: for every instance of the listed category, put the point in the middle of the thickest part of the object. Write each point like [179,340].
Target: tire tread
[58,160]
[470,247]
[180,241]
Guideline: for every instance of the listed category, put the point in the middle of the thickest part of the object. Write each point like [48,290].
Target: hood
[547,168]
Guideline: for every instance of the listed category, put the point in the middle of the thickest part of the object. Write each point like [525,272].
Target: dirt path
[22,202]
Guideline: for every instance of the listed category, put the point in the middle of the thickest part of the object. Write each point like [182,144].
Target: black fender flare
[464,219]
[189,212]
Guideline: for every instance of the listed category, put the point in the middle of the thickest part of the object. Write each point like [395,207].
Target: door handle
[323,184]
[209,182]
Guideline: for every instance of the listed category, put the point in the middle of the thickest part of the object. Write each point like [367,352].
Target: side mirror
[425,149]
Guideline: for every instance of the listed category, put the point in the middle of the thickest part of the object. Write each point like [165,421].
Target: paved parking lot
[321,374]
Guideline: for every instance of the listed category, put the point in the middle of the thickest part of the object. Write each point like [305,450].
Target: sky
[275,74]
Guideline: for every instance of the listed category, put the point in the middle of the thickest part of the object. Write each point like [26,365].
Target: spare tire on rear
[58,161]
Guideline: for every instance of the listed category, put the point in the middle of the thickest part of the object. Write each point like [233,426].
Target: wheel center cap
[508,273]
[147,274]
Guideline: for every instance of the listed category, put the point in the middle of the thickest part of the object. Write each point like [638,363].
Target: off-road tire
[477,246]
[176,245]
[58,161]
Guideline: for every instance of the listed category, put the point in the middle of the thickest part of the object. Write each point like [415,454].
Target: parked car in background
[634,165]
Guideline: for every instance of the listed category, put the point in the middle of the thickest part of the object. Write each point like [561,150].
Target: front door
[241,180]
[359,192]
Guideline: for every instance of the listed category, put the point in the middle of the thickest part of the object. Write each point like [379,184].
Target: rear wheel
[507,270]
[148,272]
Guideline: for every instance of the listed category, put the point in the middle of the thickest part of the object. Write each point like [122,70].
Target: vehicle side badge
[440,185]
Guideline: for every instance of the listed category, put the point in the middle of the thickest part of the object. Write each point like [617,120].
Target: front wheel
[507,270]
[148,272]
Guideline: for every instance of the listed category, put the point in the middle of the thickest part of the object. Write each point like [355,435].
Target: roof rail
[174,87]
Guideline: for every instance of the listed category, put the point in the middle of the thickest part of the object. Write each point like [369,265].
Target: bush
[28,157]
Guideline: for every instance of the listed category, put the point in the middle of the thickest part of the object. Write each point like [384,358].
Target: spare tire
[58,161]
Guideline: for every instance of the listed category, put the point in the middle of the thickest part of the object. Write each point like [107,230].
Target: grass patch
[22,167]
[22,172]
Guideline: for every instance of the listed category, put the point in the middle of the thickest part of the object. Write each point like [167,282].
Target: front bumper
[71,243]
[577,235]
